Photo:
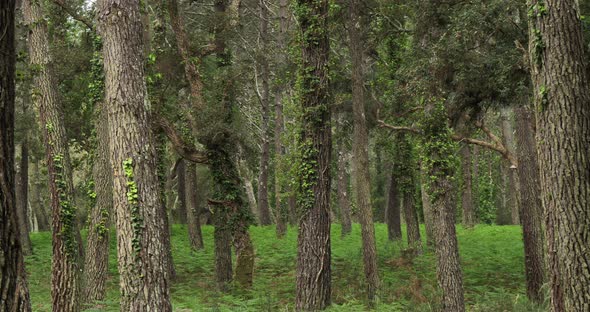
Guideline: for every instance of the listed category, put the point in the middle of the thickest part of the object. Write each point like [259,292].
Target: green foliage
[133,201]
[486,208]
[492,263]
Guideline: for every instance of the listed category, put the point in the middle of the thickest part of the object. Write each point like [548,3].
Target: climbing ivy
[133,200]
[67,211]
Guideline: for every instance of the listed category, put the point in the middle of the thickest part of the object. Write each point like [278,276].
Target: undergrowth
[492,263]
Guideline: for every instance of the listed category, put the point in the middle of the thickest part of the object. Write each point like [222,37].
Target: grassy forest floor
[492,262]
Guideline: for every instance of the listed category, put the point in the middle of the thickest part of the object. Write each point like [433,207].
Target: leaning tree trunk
[67,262]
[143,267]
[192,212]
[96,264]
[531,214]
[467,190]
[392,211]
[313,286]
[562,105]
[14,292]
[22,198]
[361,154]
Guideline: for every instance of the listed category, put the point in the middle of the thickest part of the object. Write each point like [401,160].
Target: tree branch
[72,12]
[185,150]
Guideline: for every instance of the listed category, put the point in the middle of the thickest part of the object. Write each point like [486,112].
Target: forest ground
[491,258]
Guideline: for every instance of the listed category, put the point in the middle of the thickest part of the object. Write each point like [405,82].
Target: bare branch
[72,12]
[184,149]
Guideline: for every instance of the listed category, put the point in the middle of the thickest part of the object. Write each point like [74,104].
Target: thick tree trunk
[343,199]
[223,262]
[96,264]
[531,214]
[14,293]
[143,259]
[361,154]
[193,212]
[313,286]
[467,198]
[22,198]
[392,211]
[181,209]
[67,262]
[508,138]
[263,206]
[562,106]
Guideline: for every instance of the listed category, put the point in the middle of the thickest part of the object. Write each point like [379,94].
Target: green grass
[492,263]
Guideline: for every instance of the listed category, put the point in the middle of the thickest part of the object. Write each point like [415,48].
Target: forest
[294,155]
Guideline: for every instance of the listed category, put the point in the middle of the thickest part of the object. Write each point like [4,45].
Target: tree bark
[562,105]
[313,286]
[67,262]
[531,214]
[393,209]
[14,292]
[263,207]
[181,208]
[96,264]
[508,136]
[22,197]
[426,207]
[361,154]
[467,196]
[282,214]
[143,262]
[193,212]
[37,202]
[412,224]
[343,199]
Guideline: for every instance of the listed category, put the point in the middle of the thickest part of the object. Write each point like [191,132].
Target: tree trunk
[313,286]
[22,198]
[562,105]
[426,207]
[193,212]
[531,214]
[263,207]
[361,154]
[467,198]
[392,212]
[508,138]
[96,264]
[67,262]
[181,208]
[343,199]
[282,215]
[14,292]
[223,262]
[141,224]
[37,202]
[412,224]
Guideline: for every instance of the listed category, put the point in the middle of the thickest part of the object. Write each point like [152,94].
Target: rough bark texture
[313,286]
[193,212]
[263,207]
[393,209]
[223,260]
[96,263]
[14,293]
[66,262]
[562,106]
[181,208]
[143,260]
[467,190]
[343,198]
[22,198]
[361,154]
[531,214]
[508,140]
